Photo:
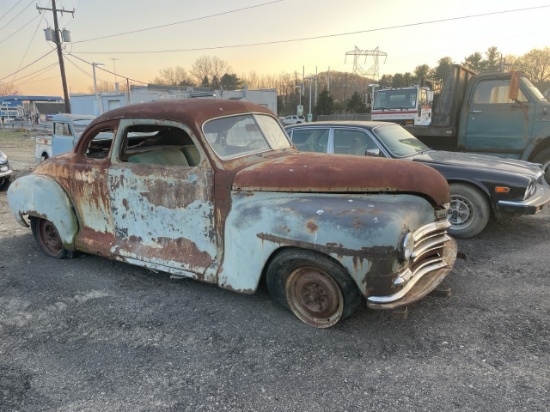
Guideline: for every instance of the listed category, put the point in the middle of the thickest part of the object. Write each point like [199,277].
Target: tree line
[341,92]
[334,91]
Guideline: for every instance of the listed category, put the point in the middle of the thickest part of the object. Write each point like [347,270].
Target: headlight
[407,247]
[3,158]
[530,191]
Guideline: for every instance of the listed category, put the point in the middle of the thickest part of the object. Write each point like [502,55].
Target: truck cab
[66,130]
[407,106]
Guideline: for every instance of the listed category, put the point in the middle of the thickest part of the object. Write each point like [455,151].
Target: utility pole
[57,41]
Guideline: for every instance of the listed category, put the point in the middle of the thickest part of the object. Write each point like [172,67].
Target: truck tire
[469,211]
[544,159]
[313,286]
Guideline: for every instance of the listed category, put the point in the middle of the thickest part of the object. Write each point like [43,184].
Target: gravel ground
[89,334]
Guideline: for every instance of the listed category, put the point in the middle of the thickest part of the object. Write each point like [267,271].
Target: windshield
[395,99]
[235,136]
[533,89]
[398,141]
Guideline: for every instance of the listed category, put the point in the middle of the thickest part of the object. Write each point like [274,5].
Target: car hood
[476,161]
[327,173]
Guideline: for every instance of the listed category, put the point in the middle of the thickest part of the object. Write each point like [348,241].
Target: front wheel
[46,235]
[313,286]
[468,213]
[544,159]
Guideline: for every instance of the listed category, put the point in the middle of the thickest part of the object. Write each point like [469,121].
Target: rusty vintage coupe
[214,190]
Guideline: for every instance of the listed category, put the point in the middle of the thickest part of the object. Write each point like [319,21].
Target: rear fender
[42,197]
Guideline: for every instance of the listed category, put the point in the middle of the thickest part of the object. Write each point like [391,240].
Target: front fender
[362,232]
[43,197]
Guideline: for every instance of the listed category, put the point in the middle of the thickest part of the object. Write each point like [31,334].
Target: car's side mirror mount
[372,152]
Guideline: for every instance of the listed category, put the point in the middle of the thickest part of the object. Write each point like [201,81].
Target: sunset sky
[136,39]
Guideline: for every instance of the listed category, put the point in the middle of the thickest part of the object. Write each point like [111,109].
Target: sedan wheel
[469,211]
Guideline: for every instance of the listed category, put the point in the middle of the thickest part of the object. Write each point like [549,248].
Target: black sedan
[481,186]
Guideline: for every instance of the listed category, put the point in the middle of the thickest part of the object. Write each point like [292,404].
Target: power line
[28,65]
[179,22]
[12,7]
[17,15]
[318,37]
[105,70]
[28,46]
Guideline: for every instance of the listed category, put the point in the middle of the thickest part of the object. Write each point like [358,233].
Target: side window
[100,145]
[159,145]
[312,140]
[495,92]
[355,142]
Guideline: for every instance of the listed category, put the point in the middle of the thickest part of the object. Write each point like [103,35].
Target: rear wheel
[313,286]
[544,159]
[46,235]
[469,211]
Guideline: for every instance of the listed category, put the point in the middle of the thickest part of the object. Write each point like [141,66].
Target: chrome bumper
[432,260]
[537,202]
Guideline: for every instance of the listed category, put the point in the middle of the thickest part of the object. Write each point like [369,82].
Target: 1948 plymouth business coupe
[214,190]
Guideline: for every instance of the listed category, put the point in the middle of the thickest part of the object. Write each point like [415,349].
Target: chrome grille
[429,243]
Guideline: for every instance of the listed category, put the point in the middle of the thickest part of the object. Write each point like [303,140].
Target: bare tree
[219,67]
[105,86]
[8,89]
[536,65]
[175,76]
[207,66]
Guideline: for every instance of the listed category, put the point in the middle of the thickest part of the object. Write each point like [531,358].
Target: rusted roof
[185,110]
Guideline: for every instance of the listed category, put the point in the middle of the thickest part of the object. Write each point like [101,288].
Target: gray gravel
[89,334]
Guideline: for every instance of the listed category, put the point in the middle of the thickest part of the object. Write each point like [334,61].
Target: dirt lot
[89,334]
[18,144]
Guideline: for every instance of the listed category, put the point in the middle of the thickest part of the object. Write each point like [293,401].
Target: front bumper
[416,284]
[5,171]
[537,202]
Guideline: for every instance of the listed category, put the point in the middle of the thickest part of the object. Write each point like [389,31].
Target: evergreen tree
[356,104]
[325,103]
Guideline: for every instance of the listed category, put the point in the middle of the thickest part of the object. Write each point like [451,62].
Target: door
[162,203]
[495,123]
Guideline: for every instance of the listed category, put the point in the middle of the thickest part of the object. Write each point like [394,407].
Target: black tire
[44,157]
[46,235]
[313,287]
[4,183]
[469,211]
[544,159]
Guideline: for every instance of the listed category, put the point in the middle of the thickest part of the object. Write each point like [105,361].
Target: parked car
[214,190]
[480,185]
[5,171]
[294,119]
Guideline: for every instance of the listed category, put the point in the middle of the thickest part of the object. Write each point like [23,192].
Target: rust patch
[363,253]
[180,250]
[311,226]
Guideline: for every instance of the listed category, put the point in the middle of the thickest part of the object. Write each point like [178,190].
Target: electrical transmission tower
[358,69]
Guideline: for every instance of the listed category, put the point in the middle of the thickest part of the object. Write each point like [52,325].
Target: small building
[90,104]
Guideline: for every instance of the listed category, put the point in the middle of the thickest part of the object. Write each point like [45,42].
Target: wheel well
[284,249]
[545,144]
[479,188]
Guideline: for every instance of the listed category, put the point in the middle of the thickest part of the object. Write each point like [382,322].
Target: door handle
[476,111]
